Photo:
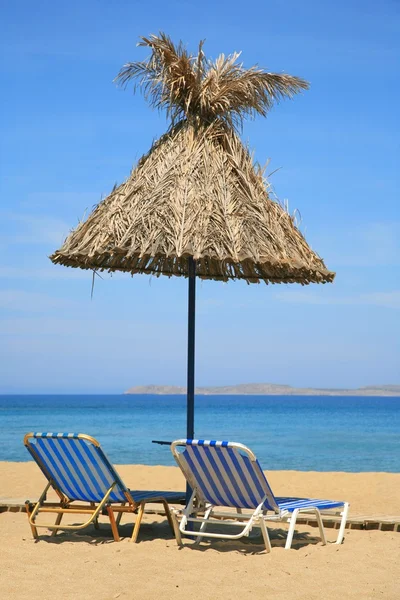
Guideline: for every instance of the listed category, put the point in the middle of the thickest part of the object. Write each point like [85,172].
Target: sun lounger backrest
[225,473]
[76,465]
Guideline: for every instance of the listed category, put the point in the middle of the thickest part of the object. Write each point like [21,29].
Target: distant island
[266,389]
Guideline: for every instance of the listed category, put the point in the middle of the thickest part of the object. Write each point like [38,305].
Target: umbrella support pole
[191,357]
[191,349]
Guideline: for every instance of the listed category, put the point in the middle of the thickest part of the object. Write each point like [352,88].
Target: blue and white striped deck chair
[227,474]
[77,469]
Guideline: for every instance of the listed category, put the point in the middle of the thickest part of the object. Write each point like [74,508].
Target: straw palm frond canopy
[197,193]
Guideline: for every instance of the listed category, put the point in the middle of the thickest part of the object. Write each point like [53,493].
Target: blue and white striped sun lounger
[77,469]
[227,474]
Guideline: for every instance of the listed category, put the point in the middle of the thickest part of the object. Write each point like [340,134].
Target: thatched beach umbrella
[196,205]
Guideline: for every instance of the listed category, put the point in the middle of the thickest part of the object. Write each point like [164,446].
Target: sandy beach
[91,565]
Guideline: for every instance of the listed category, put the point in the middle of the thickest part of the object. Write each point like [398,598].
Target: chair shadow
[254,544]
[149,531]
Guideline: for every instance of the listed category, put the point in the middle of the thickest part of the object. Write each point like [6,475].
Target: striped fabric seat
[78,470]
[140,495]
[227,474]
[290,504]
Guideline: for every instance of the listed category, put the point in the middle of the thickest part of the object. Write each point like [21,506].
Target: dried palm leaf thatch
[202,91]
[197,193]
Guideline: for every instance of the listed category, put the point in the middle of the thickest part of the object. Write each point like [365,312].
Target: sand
[91,565]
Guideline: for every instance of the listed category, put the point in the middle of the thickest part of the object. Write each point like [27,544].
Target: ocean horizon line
[327,394]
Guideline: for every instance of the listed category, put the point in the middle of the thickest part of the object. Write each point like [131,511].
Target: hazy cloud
[385,299]
[363,245]
[22,301]
[33,229]
[51,273]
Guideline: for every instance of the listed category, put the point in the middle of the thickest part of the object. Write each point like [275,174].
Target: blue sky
[68,134]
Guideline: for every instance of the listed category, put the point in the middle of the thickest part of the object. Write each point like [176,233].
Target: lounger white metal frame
[228,474]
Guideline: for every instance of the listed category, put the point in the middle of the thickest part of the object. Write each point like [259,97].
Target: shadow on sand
[160,530]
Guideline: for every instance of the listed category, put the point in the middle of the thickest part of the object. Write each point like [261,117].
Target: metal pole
[191,348]
[190,362]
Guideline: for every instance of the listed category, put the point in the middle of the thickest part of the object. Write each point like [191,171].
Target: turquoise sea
[309,433]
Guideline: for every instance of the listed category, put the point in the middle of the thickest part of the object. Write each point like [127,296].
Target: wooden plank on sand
[380,522]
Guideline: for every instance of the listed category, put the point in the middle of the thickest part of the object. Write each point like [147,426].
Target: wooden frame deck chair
[227,474]
[79,472]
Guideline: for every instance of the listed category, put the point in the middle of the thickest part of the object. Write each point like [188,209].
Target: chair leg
[343,523]
[289,538]
[168,515]
[139,518]
[114,527]
[265,535]
[58,521]
[119,516]
[204,524]
[178,537]
[33,528]
[321,527]
[96,520]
